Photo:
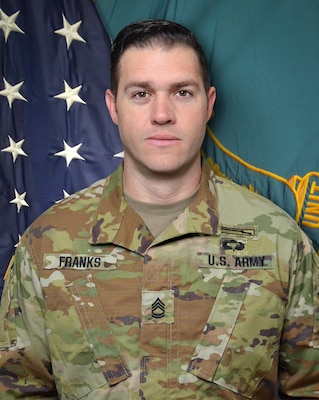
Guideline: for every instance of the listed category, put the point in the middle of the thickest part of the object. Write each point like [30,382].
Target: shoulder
[87,199]
[67,225]
[78,209]
[239,203]
[276,229]
[78,202]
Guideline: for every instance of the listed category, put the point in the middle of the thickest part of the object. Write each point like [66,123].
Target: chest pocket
[241,337]
[85,355]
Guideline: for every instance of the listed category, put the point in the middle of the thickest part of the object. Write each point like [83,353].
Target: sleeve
[299,355]
[24,360]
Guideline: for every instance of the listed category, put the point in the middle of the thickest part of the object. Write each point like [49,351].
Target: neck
[159,188]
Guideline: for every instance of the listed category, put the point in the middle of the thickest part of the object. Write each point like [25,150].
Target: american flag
[56,135]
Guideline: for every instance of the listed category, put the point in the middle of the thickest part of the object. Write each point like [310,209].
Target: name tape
[79,261]
[235,261]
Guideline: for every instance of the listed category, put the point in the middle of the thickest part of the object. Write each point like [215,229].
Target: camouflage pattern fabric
[216,307]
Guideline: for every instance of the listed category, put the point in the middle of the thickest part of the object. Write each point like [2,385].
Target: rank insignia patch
[158,307]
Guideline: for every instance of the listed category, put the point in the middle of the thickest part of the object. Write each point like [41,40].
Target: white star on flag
[8,25]
[15,148]
[19,200]
[19,238]
[70,95]
[70,31]
[70,153]
[119,155]
[65,195]
[12,92]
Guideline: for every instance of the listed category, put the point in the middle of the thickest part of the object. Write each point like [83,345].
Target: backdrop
[56,135]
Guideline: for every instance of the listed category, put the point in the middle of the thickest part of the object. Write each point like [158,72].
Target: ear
[211,97]
[111,105]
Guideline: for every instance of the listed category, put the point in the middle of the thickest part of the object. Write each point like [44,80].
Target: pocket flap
[99,334]
[241,337]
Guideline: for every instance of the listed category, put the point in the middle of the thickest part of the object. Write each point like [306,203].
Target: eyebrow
[139,84]
[148,85]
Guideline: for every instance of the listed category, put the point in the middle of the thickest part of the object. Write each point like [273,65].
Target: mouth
[164,139]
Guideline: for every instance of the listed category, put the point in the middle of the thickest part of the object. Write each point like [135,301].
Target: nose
[162,111]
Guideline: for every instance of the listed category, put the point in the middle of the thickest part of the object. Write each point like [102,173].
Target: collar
[116,222]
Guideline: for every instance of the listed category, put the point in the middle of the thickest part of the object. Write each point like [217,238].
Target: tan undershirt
[158,217]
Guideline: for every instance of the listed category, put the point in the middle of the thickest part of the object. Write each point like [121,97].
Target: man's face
[161,109]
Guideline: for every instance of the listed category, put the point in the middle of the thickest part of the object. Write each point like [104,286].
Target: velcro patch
[158,307]
[79,261]
[237,262]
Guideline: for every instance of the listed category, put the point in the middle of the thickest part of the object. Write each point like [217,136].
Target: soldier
[162,281]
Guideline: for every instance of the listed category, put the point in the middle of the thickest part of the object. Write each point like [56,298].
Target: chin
[166,169]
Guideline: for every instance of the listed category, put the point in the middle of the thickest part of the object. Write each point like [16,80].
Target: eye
[140,95]
[183,93]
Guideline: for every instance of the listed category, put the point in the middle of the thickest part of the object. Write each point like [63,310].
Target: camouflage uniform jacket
[218,306]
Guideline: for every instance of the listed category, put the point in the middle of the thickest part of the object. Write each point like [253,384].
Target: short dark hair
[155,32]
